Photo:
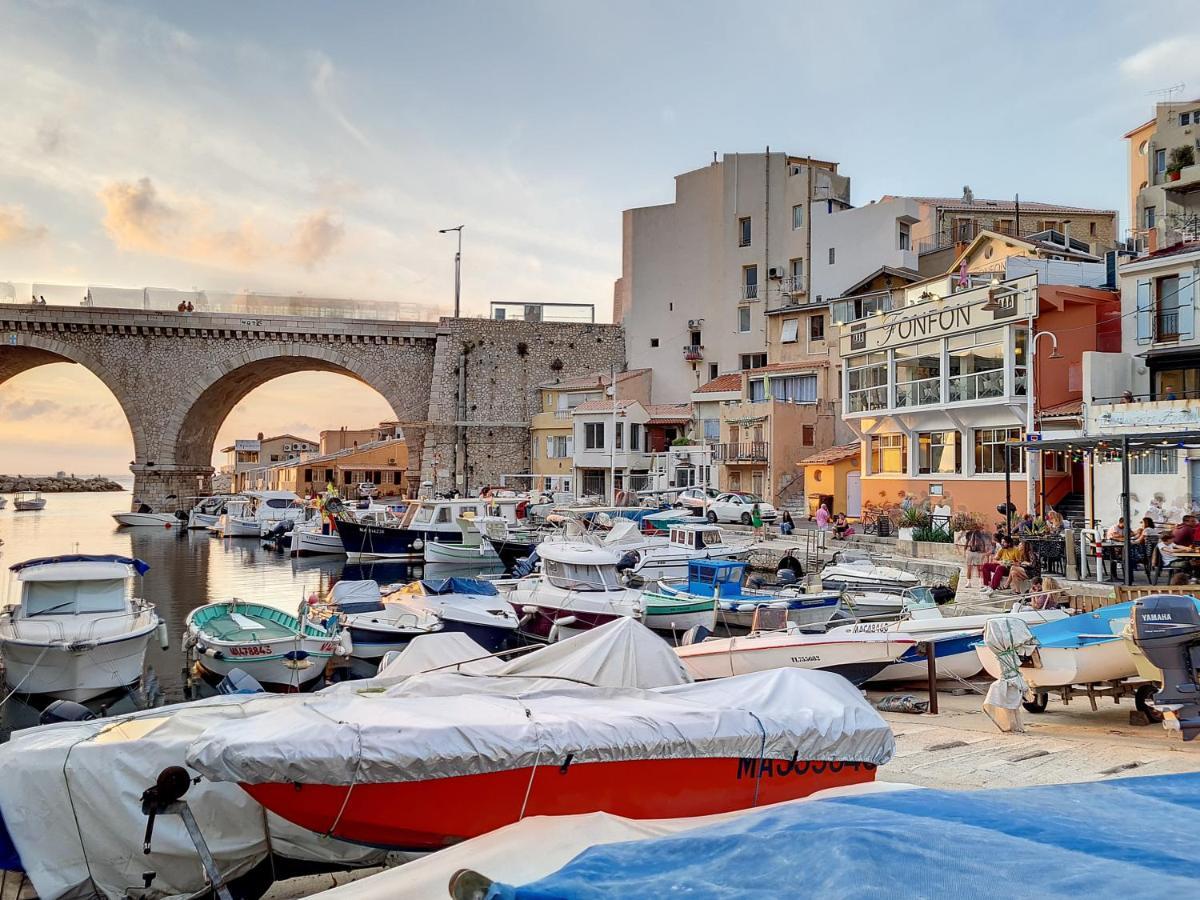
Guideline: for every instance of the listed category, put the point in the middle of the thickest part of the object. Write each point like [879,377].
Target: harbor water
[187,570]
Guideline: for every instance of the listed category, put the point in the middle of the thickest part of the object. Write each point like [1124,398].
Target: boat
[405,537]
[773,642]
[377,628]
[512,543]
[471,550]
[28,501]
[255,513]
[658,556]
[74,633]
[274,647]
[426,765]
[468,605]
[583,584]
[1146,667]
[722,581]
[854,571]
[1080,649]
[145,520]
[206,511]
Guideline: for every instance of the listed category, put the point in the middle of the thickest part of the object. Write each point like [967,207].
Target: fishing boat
[377,628]
[659,556]
[274,647]
[854,571]
[28,501]
[468,605]
[429,765]
[471,550]
[74,633]
[583,584]
[254,513]
[512,543]
[722,582]
[773,642]
[422,522]
[145,520]
[1080,649]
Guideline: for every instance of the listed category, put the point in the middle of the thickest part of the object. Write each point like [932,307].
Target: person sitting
[1025,569]
[1039,597]
[1184,534]
[994,572]
[786,523]
[1054,521]
[1148,533]
[841,528]
[1026,524]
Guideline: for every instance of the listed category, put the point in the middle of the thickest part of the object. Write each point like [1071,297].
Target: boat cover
[1097,839]
[1009,638]
[354,596]
[139,566]
[427,728]
[439,586]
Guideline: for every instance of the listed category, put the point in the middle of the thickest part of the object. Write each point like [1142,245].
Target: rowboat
[28,501]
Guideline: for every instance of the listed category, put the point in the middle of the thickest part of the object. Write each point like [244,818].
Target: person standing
[757,521]
[822,517]
[976,551]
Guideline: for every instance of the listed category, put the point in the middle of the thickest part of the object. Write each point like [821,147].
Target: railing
[753,451]
[977,386]
[920,392]
[867,399]
[693,352]
[1166,324]
[961,233]
[1149,398]
[749,291]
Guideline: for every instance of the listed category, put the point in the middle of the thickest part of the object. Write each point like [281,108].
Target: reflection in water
[187,570]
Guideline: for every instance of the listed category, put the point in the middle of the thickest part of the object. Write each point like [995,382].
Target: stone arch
[42,350]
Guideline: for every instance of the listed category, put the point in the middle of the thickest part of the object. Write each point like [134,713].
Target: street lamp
[1030,382]
[457,265]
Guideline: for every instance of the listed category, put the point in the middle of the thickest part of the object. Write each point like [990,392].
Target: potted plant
[1181,158]
[912,518]
[961,523]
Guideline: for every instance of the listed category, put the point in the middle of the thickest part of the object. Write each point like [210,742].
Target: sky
[318,147]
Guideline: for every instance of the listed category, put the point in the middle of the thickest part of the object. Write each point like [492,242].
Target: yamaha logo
[1156,617]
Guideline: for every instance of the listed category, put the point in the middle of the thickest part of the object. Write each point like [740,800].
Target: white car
[735,506]
[694,498]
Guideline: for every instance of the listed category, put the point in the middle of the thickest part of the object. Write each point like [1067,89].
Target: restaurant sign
[936,318]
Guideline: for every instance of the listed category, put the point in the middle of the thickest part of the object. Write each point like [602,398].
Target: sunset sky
[318,147]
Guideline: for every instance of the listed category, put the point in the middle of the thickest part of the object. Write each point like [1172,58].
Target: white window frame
[797,217]
[789,332]
[743,323]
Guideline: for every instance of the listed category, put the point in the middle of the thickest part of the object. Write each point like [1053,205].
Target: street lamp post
[1031,382]
[457,265]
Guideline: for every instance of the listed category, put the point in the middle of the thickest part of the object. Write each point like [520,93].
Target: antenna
[1167,94]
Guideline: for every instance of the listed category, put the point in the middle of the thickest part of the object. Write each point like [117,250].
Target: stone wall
[504,364]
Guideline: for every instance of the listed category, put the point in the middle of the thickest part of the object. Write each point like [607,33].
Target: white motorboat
[471,550]
[667,556]
[146,520]
[74,633]
[1080,649]
[255,513]
[276,648]
[377,628]
[468,605]
[206,511]
[857,657]
[28,501]
[853,571]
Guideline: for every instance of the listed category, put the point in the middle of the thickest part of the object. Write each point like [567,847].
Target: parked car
[735,506]
[695,497]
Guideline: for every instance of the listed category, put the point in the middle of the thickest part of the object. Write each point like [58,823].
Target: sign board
[247,446]
[964,311]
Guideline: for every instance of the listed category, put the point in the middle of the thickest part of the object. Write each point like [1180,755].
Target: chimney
[260,435]
[968,194]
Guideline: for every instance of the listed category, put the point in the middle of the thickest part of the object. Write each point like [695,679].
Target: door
[757,480]
[853,494]
[1194,481]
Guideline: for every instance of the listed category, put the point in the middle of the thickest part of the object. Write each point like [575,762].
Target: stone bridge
[464,388]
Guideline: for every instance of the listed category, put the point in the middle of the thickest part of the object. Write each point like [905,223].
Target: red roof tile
[729,382]
[669,413]
[832,455]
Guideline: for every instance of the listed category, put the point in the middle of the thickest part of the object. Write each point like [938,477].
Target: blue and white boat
[423,522]
[376,628]
[467,605]
[722,580]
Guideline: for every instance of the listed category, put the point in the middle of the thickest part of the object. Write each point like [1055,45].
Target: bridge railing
[234,302]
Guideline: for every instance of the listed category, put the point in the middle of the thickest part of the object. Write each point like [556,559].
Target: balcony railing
[920,392]
[693,352]
[752,451]
[1166,324]
[977,386]
[856,308]
[867,399]
[749,291]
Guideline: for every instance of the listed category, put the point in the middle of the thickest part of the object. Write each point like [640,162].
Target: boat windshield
[68,598]
[574,577]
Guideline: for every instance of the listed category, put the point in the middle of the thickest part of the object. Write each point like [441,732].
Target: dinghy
[74,633]
[471,550]
[424,765]
[28,501]
[276,648]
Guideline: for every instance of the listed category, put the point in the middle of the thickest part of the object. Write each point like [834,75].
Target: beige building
[1164,176]
[381,463]
[247,461]
[335,440]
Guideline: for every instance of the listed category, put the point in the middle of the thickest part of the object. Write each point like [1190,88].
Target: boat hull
[858,661]
[79,674]
[955,657]
[272,667]
[677,615]
[428,815]
[459,554]
[145,520]
[198,521]
[511,552]
[364,540]
[28,505]
[540,623]
[1102,661]
[315,543]
[231,527]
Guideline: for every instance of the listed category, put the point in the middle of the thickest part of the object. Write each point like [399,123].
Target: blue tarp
[460,586]
[140,567]
[1131,837]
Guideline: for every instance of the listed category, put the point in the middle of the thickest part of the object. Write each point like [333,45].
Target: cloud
[322,84]
[137,217]
[50,137]
[15,230]
[22,410]
[1164,62]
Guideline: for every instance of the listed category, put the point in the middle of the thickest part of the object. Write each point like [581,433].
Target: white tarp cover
[532,848]
[432,651]
[426,728]
[351,591]
[71,801]
[1009,638]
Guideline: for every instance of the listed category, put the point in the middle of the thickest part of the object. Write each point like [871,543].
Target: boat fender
[296,655]
[566,621]
[418,544]
[345,644]
[164,639]
[529,610]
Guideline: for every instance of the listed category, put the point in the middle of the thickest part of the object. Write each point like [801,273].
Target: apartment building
[383,463]
[623,445]
[247,461]
[334,440]
[1164,176]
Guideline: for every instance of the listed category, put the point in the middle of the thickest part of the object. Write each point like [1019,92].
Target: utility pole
[457,267]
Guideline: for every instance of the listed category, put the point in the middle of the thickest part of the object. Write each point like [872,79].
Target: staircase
[1071,508]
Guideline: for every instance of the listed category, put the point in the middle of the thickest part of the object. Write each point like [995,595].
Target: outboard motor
[1166,628]
[238,681]
[65,711]
[785,577]
[181,515]
[694,635]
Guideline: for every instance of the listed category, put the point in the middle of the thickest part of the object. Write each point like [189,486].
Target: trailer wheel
[1038,703]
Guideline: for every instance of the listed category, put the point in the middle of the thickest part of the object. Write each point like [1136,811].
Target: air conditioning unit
[695,323]
[775,272]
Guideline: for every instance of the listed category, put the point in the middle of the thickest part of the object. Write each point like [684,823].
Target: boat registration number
[255,650]
[805,659]
[863,627]
[769,768]
[329,646]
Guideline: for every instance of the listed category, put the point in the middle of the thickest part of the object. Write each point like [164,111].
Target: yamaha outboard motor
[1167,629]
[65,711]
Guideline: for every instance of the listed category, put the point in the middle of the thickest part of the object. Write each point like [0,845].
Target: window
[619,436]
[714,371]
[1150,217]
[1167,308]
[796,267]
[797,217]
[939,453]
[712,429]
[744,231]
[807,435]
[1184,118]
[743,319]
[976,365]
[919,374]
[1177,384]
[735,434]
[635,436]
[789,331]
[794,388]
[905,236]
[964,229]
[867,381]
[753,360]
[889,453]
[816,328]
[695,338]
[989,451]
[758,390]
[1142,147]
[653,342]
[593,435]
[749,282]
[832,255]
[329,476]
[1004,226]
[1154,462]
[308,475]
[1160,161]
[1091,229]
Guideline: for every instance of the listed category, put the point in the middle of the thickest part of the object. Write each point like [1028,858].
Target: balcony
[1187,180]
[693,352]
[555,418]
[854,309]
[749,292]
[752,451]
